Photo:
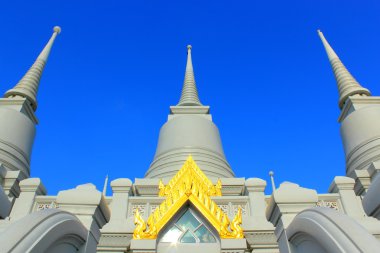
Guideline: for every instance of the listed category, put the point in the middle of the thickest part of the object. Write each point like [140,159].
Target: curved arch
[49,230]
[321,229]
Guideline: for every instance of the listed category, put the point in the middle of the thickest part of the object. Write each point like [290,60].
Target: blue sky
[117,66]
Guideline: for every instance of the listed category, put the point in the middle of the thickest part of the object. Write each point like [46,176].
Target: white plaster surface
[331,230]
[44,231]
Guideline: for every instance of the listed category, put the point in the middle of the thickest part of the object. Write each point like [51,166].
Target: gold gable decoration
[189,169]
[189,184]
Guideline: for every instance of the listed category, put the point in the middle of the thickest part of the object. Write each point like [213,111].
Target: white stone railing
[146,206]
[229,205]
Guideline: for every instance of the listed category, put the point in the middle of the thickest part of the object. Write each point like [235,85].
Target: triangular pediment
[189,184]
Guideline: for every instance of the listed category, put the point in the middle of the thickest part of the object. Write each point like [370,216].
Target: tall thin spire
[28,86]
[189,96]
[347,84]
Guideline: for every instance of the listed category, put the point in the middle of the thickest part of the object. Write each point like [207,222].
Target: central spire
[189,130]
[189,95]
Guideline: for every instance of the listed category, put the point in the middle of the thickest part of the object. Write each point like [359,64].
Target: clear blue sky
[117,66]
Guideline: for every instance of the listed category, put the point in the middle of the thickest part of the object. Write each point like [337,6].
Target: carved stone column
[117,233]
[121,189]
[352,204]
[23,205]
[258,231]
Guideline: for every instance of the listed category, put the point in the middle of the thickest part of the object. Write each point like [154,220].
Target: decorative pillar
[121,189]
[117,233]
[89,205]
[352,204]
[258,231]
[30,188]
[285,203]
[255,188]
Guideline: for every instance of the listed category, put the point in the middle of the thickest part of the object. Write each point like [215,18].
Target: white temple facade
[190,199]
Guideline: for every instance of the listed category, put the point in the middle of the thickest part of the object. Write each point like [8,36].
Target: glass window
[188,221]
[204,235]
[189,229]
[188,238]
[172,235]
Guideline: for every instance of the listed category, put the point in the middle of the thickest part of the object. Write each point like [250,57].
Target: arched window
[188,228]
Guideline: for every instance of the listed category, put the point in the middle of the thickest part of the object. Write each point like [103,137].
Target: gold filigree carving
[189,184]
[237,231]
[191,168]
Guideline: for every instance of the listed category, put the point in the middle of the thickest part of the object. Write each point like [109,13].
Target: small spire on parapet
[28,86]
[347,85]
[105,186]
[271,174]
[189,95]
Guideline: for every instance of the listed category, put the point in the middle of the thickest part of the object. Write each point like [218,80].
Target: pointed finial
[271,174]
[218,188]
[347,85]
[330,52]
[105,186]
[161,189]
[57,29]
[28,86]
[189,95]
